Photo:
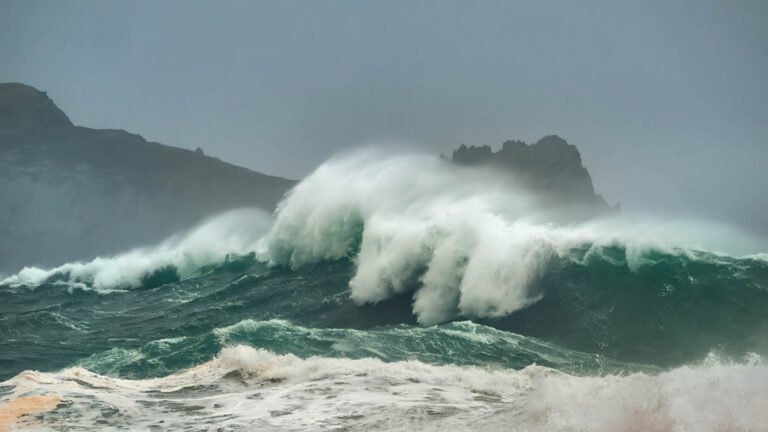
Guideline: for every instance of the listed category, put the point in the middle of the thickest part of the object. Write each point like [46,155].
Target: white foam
[714,396]
[250,388]
[236,231]
[470,242]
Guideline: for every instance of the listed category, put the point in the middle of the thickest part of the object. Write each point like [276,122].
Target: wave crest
[468,242]
[178,257]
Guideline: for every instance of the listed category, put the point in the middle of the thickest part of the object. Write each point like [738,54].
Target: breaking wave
[467,243]
[177,257]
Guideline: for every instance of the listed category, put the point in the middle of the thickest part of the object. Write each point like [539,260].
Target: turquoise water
[599,315]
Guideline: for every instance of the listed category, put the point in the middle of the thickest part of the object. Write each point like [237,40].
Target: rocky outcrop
[69,192]
[25,108]
[551,168]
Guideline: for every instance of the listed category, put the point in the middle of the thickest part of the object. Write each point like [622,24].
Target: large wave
[467,242]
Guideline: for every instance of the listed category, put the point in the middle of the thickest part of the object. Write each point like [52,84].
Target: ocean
[397,293]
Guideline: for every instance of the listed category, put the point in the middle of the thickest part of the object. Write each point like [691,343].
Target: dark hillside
[69,192]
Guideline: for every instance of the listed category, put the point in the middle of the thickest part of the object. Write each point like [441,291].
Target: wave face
[395,293]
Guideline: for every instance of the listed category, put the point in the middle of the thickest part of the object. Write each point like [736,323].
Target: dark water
[596,315]
[242,345]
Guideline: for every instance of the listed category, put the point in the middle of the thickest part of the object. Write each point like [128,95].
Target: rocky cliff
[69,192]
[551,168]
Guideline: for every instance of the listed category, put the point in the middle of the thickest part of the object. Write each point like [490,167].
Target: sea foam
[248,387]
[232,232]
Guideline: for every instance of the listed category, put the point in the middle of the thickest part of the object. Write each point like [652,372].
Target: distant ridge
[71,192]
[23,107]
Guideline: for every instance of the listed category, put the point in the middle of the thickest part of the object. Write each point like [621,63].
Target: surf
[246,387]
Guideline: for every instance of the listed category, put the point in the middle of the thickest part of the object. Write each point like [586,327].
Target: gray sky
[667,100]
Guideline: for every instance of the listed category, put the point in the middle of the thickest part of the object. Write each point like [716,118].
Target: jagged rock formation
[551,167]
[69,192]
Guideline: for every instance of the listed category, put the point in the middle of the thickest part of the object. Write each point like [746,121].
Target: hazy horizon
[666,101]
[147,287]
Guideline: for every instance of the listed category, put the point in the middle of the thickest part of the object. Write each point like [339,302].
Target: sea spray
[182,255]
[468,241]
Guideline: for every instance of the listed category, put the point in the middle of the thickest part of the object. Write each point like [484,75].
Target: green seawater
[594,316]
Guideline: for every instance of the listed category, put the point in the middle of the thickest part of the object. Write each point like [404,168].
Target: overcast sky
[667,100]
